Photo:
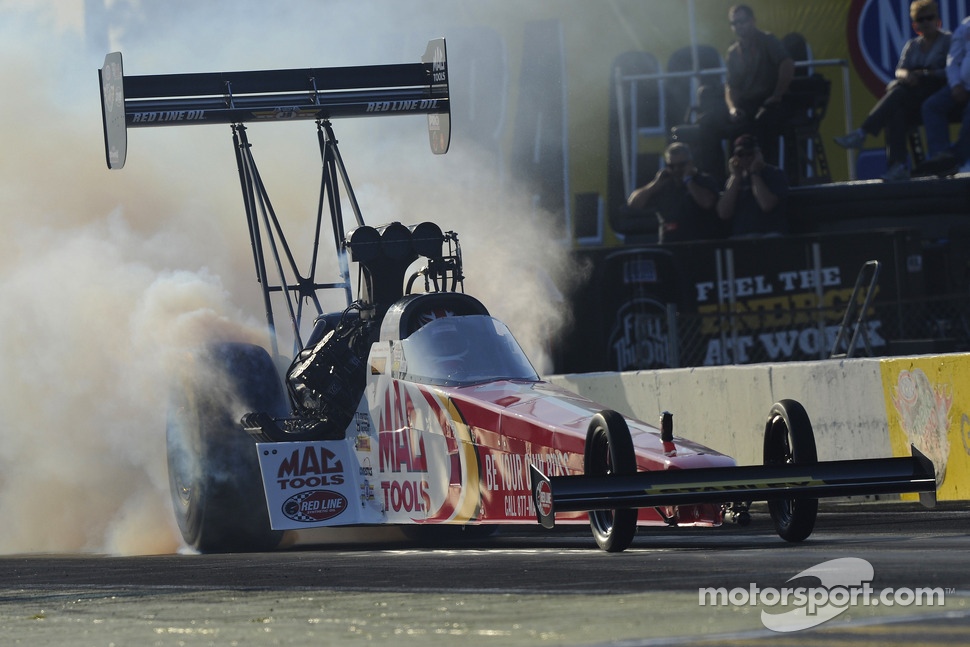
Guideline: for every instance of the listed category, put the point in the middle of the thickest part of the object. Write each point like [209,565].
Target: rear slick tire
[609,450]
[789,439]
[214,474]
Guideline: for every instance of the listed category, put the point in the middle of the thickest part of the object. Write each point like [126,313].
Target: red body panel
[513,424]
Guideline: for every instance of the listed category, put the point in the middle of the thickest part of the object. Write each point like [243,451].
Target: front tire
[789,439]
[609,450]
[213,467]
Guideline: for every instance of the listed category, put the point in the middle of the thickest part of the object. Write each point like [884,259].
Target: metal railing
[628,99]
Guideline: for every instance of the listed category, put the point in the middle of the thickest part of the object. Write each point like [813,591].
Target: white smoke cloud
[107,277]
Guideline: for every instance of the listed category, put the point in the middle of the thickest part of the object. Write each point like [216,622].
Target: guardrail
[859,408]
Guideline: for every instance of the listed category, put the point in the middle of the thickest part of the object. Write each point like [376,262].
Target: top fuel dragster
[412,406]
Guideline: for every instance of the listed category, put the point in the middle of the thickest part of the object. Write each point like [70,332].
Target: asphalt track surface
[518,588]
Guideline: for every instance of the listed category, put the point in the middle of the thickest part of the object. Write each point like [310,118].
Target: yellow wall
[928,405]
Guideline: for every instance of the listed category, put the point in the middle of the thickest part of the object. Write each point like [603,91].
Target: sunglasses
[925,19]
[678,165]
[744,153]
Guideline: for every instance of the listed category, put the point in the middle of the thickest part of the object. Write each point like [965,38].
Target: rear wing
[239,97]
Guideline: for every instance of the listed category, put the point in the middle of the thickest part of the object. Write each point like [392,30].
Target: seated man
[919,73]
[945,159]
[754,195]
[759,71]
[682,197]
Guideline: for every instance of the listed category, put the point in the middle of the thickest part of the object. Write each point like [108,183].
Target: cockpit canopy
[452,351]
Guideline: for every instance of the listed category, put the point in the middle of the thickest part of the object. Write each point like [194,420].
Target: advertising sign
[928,405]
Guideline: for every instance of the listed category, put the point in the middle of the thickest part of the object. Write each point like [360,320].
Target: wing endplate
[439,123]
[111,78]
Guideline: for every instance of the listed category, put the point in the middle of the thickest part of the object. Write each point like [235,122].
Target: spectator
[759,71]
[754,195]
[682,197]
[945,159]
[919,73]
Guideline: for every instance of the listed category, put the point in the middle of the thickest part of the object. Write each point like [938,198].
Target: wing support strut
[268,96]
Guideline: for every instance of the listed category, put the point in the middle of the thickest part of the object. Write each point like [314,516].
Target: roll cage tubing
[320,94]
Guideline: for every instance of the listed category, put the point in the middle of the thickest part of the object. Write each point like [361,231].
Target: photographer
[682,197]
[754,195]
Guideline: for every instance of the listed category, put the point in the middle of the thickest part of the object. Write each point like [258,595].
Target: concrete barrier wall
[860,408]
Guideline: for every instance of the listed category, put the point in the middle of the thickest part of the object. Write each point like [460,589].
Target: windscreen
[463,350]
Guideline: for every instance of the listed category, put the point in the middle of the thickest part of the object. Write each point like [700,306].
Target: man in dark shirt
[759,71]
[682,197]
[754,195]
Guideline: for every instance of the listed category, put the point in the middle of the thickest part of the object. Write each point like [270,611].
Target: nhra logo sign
[877,31]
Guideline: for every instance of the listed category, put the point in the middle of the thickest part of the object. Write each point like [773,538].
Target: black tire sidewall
[794,519]
[613,530]
[223,507]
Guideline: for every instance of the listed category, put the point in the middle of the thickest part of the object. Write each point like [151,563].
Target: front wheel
[789,439]
[609,450]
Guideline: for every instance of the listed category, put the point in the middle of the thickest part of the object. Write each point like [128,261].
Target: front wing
[733,484]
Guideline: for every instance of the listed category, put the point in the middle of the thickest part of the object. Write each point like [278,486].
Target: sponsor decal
[362,422]
[112,84]
[508,475]
[165,116]
[399,365]
[406,496]
[310,466]
[728,486]
[410,105]
[510,471]
[544,498]
[519,506]
[286,113]
[362,439]
[366,492]
[378,365]
[439,69]
[399,452]
[313,506]
[402,451]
